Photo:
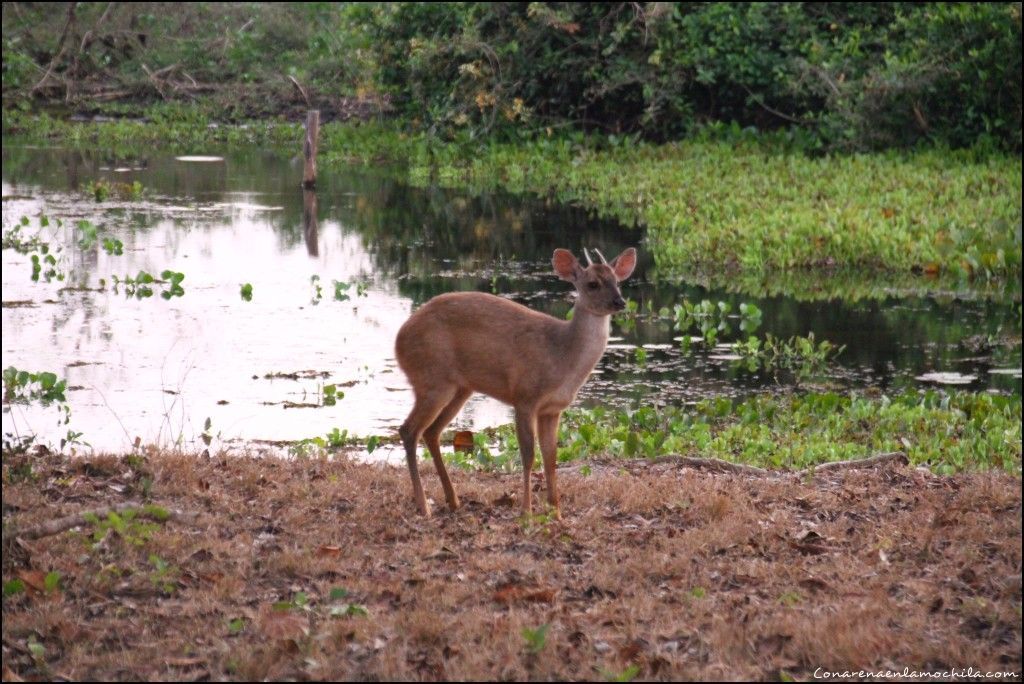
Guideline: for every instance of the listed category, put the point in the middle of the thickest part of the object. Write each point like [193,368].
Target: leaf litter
[320,569]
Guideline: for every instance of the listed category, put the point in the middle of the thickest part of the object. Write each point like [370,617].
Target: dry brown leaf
[282,625]
[34,580]
[464,441]
[328,551]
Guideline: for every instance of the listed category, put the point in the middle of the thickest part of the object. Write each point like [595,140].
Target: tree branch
[61,45]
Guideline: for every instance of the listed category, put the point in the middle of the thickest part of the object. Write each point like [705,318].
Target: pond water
[156,369]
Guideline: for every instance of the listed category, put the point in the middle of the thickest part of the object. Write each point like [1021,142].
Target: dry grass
[676,573]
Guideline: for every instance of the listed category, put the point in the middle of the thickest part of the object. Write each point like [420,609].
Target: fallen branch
[713,464]
[857,463]
[720,466]
[302,91]
[59,525]
[156,83]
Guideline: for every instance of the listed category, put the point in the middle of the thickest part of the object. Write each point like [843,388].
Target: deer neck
[587,338]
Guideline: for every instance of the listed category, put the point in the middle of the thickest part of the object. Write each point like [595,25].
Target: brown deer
[465,342]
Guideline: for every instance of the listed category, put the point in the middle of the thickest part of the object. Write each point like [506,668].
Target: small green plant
[51,583]
[113,246]
[344,609]
[318,290]
[102,190]
[541,521]
[13,238]
[503,457]
[799,358]
[627,675]
[341,289]
[247,292]
[14,586]
[52,272]
[164,576]
[37,650]
[536,639]
[38,250]
[88,234]
[173,280]
[335,439]
[126,525]
[330,394]
[790,598]
[99,189]
[299,601]
[713,319]
[207,435]
[137,286]
[25,387]
[235,626]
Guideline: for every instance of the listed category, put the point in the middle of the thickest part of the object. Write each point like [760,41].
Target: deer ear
[624,264]
[566,265]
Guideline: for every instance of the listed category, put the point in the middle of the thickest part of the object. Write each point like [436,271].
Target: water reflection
[157,369]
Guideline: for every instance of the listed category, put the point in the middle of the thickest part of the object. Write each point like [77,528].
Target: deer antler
[587,254]
[601,256]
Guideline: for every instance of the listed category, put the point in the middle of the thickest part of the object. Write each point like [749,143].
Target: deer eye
[593,285]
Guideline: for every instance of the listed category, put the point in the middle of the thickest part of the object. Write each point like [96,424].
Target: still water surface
[158,369]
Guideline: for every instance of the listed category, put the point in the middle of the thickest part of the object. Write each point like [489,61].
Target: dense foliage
[841,74]
[836,75]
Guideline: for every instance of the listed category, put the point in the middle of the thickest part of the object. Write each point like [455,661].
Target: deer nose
[619,303]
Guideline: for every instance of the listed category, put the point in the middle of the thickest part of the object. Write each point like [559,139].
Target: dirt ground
[315,569]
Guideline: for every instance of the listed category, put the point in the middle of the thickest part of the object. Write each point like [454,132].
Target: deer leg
[432,436]
[526,422]
[424,411]
[547,435]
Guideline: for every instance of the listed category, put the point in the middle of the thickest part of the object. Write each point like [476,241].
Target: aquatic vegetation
[798,358]
[743,210]
[14,239]
[44,388]
[947,432]
[751,207]
[139,285]
[26,387]
[341,289]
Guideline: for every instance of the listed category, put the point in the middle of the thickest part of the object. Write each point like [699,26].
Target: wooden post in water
[309,148]
[310,228]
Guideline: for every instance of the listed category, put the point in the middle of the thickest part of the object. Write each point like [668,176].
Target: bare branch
[61,46]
